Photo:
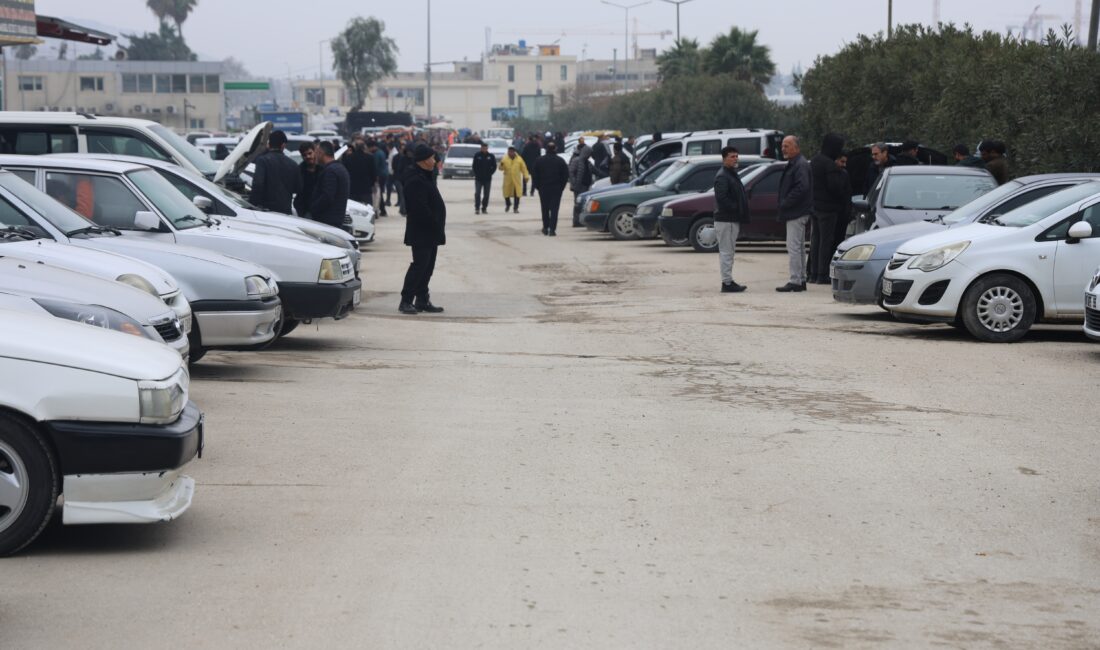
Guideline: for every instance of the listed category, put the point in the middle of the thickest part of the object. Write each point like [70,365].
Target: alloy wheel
[14,486]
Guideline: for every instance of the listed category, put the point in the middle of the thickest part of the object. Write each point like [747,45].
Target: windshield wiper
[997,222]
[94,230]
[189,217]
[20,232]
[896,207]
[936,219]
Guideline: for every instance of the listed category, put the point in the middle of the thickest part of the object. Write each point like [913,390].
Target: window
[25,174]
[198,83]
[511,73]
[191,190]
[122,143]
[511,98]
[35,140]
[91,84]
[12,216]
[701,179]
[164,83]
[1026,197]
[768,185]
[179,83]
[704,147]
[213,83]
[103,199]
[565,73]
[197,124]
[129,83]
[538,72]
[746,146]
[315,96]
[30,83]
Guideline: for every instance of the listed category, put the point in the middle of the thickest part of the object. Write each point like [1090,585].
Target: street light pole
[1093,24]
[677,3]
[429,66]
[889,18]
[626,38]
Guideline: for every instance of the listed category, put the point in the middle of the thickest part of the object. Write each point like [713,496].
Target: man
[276,180]
[618,166]
[381,175]
[993,154]
[551,178]
[531,152]
[731,210]
[360,167]
[485,165]
[580,178]
[425,232]
[910,150]
[308,170]
[880,160]
[401,163]
[330,196]
[600,156]
[841,231]
[963,158]
[515,178]
[795,206]
[829,199]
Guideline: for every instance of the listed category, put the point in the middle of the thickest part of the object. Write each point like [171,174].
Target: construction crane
[1034,25]
[565,33]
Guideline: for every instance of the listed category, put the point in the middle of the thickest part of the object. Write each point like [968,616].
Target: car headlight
[94,315]
[667,212]
[257,287]
[938,257]
[593,205]
[858,253]
[138,282]
[327,238]
[161,402]
[332,271]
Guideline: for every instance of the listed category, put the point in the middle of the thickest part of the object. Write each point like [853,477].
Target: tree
[739,54]
[165,45]
[685,59]
[176,10]
[25,52]
[362,55]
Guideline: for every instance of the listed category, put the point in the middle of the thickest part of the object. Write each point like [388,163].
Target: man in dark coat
[796,204]
[361,167]
[401,163]
[330,196]
[830,197]
[910,150]
[993,155]
[485,165]
[963,157]
[880,160]
[276,180]
[731,210]
[530,154]
[550,177]
[618,166]
[425,224]
[309,170]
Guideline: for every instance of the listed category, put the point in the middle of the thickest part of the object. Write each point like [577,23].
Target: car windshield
[57,214]
[672,175]
[751,172]
[181,212]
[970,211]
[461,152]
[1036,211]
[934,191]
[654,173]
[497,143]
[195,156]
[180,177]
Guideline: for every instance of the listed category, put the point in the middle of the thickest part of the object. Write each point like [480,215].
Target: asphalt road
[592,447]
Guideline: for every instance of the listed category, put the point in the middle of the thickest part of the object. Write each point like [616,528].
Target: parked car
[315,280]
[102,420]
[860,261]
[459,161]
[1092,307]
[689,220]
[498,147]
[613,211]
[996,279]
[917,193]
[749,142]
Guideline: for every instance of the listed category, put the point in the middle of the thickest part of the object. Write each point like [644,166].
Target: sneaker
[407,308]
[791,287]
[733,287]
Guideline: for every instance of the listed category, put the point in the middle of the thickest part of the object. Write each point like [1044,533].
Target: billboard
[535,107]
[506,114]
[18,23]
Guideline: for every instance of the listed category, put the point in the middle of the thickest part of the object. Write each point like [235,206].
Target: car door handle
[1042,257]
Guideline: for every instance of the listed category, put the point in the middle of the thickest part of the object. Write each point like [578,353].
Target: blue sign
[286,122]
[505,114]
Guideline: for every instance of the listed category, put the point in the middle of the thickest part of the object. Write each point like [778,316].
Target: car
[996,279]
[211,146]
[648,177]
[498,146]
[459,161]
[315,280]
[909,193]
[860,261]
[749,142]
[1092,307]
[613,211]
[101,421]
[689,220]
[323,134]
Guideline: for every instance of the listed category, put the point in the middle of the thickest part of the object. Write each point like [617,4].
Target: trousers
[419,274]
[481,194]
[822,244]
[796,249]
[508,202]
[727,232]
[550,202]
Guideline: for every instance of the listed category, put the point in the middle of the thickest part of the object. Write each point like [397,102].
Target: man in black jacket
[550,177]
[276,180]
[425,224]
[530,154]
[795,206]
[330,196]
[309,170]
[485,165]
[831,195]
[361,168]
[731,210]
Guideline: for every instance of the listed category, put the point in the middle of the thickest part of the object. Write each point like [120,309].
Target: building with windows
[182,95]
[613,76]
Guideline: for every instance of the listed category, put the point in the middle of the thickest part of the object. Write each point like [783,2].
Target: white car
[498,147]
[100,419]
[1092,307]
[998,278]
[459,161]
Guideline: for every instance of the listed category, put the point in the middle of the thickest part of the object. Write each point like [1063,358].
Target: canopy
[51,27]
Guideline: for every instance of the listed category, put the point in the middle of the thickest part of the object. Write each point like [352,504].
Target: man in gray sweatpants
[731,210]
[795,207]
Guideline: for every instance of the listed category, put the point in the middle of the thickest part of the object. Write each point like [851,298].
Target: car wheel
[287,326]
[879,300]
[195,339]
[672,241]
[446,177]
[702,236]
[28,484]
[998,308]
[621,223]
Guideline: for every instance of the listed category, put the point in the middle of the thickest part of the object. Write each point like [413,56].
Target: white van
[749,142]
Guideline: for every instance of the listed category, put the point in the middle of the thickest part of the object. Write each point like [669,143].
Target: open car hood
[249,148]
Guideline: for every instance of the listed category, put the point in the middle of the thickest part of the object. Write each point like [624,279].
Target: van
[749,142]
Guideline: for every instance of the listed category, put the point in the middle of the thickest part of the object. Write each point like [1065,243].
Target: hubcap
[624,223]
[707,238]
[1000,309]
[13,486]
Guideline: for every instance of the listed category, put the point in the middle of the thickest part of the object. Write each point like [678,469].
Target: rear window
[934,191]
[745,146]
[462,152]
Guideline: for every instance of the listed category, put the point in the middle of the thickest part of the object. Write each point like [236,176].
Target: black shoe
[733,287]
[407,308]
[545,231]
[485,211]
[516,210]
[553,233]
[577,224]
[791,287]
[820,281]
[428,307]
[476,211]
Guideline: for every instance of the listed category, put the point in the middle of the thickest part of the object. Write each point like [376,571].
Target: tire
[998,308]
[621,223]
[446,177]
[669,241]
[28,484]
[195,338]
[701,236]
[287,326]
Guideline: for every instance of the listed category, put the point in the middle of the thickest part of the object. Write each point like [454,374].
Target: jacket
[796,190]
[275,182]
[400,163]
[309,183]
[730,200]
[580,173]
[971,161]
[361,169]
[531,152]
[830,190]
[485,165]
[330,195]
[381,163]
[999,168]
[551,175]
[426,218]
[618,169]
[515,172]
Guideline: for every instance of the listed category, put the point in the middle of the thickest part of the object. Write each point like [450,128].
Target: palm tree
[685,59]
[738,53]
[177,10]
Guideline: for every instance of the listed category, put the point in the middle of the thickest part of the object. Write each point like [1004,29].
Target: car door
[1075,261]
[34,139]
[764,208]
[103,198]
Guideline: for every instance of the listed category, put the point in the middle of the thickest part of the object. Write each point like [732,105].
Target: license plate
[356,297]
[1090,301]
[887,287]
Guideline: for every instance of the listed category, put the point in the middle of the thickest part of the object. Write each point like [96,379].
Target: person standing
[830,197]
[551,178]
[425,231]
[795,206]
[993,155]
[401,162]
[580,178]
[531,152]
[485,165]
[731,210]
[381,176]
[962,156]
[618,166]
[841,231]
[329,203]
[880,160]
[515,178]
[309,170]
[909,154]
[360,167]
[276,180]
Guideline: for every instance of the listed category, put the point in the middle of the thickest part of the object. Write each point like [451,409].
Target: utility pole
[889,18]
[1093,21]
[626,38]
[428,67]
[677,3]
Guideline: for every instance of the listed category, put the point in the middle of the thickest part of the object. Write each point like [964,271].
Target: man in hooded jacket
[829,191]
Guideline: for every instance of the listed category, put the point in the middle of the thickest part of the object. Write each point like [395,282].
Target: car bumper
[231,323]
[595,220]
[303,301]
[458,172]
[857,282]
[931,297]
[1092,319]
[675,228]
[645,227]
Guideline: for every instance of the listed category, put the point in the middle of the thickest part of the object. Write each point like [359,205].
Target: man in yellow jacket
[515,175]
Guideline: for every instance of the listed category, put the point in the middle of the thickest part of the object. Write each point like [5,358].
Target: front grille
[897,261]
[1092,319]
[345,269]
[347,219]
[169,330]
[899,291]
[934,292]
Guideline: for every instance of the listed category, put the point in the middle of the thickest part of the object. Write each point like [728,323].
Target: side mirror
[1078,231]
[203,203]
[145,220]
[860,204]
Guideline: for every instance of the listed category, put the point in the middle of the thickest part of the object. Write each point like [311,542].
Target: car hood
[973,233]
[882,237]
[886,217]
[700,201]
[101,264]
[290,222]
[189,254]
[249,148]
[631,194]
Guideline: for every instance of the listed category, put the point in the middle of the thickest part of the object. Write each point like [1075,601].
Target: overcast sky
[282,38]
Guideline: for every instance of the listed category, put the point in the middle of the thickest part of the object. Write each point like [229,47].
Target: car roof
[934,170]
[1038,178]
[134,160]
[49,117]
[69,161]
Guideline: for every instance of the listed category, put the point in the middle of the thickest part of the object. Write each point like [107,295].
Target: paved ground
[594,448]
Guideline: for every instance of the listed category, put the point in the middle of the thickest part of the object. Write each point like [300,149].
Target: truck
[290,123]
